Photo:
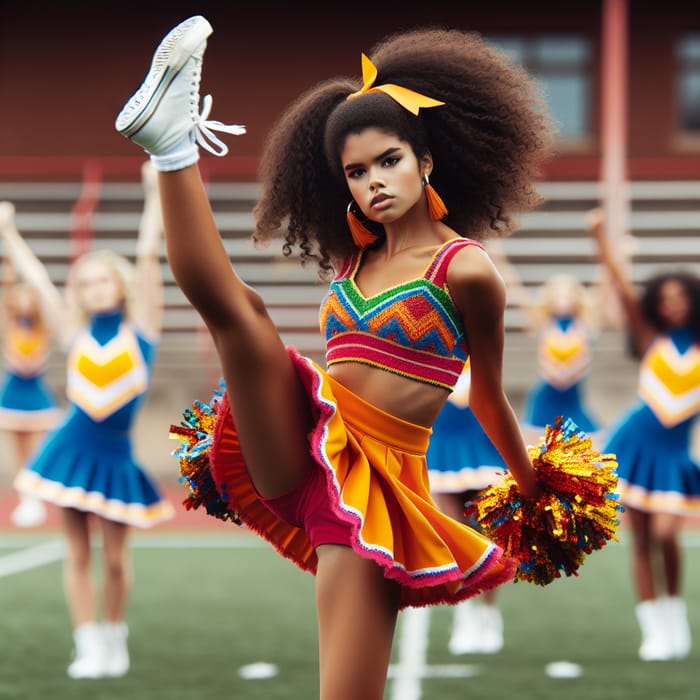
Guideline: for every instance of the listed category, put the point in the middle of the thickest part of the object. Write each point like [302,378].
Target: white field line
[31,558]
[413,647]
[411,666]
[34,553]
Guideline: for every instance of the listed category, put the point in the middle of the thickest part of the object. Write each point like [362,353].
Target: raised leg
[267,399]
[268,402]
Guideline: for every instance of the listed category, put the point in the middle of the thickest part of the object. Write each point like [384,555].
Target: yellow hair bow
[408,99]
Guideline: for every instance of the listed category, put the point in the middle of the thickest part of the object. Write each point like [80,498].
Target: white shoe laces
[204,130]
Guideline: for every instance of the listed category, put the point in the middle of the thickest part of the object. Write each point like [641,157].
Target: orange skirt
[377,484]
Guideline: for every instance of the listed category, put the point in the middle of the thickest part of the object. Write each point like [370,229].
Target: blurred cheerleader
[659,481]
[110,323]
[562,318]
[28,406]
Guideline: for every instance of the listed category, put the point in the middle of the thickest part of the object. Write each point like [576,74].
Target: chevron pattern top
[563,353]
[669,380]
[26,350]
[412,329]
[103,378]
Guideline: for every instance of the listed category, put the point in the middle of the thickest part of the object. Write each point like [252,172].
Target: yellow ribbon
[408,99]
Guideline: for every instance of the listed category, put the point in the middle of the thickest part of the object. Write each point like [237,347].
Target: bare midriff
[408,399]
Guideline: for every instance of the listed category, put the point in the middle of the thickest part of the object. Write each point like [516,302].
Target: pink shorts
[308,507]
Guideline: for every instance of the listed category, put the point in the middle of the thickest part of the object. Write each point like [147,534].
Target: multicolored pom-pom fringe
[196,436]
[575,513]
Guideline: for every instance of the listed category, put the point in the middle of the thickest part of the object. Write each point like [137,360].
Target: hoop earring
[361,235]
[436,207]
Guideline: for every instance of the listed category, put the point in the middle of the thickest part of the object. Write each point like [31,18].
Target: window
[688,64]
[562,64]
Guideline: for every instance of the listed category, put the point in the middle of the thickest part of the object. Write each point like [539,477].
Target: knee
[241,314]
[78,560]
[666,536]
[115,569]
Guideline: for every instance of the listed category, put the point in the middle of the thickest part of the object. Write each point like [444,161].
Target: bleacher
[665,221]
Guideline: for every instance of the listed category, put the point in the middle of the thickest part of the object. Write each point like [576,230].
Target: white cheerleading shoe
[89,652]
[466,629]
[491,640]
[116,653]
[676,614]
[656,643]
[163,116]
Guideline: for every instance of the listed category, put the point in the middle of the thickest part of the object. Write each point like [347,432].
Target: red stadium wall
[66,69]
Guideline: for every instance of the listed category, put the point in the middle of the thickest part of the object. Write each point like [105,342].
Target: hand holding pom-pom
[574,514]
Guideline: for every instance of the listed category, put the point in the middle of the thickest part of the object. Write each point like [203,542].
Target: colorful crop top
[563,353]
[412,329]
[669,379]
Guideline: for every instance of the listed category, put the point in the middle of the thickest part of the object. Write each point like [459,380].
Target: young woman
[110,324]
[659,480]
[329,464]
[28,405]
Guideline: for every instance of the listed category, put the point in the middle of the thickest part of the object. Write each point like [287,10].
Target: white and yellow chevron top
[103,378]
[669,381]
[564,353]
[26,350]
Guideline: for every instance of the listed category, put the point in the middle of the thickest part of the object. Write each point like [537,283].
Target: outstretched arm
[32,270]
[147,306]
[642,332]
[480,294]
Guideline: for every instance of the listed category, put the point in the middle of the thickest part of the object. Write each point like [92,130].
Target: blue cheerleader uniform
[652,441]
[27,404]
[86,462]
[563,361]
[460,455]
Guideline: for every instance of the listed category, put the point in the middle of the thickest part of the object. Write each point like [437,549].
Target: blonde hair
[550,292]
[123,270]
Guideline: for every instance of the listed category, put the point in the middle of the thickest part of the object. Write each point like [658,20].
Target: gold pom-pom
[575,513]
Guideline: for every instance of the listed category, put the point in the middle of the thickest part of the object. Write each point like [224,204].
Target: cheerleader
[86,465]
[562,319]
[28,405]
[461,461]
[328,464]
[659,482]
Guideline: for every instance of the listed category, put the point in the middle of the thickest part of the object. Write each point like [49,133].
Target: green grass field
[204,606]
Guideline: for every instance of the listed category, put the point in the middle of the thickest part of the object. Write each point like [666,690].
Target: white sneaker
[491,629]
[466,629]
[116,653]
[89,652]
[30,512]
[678,627]
[162,116]
[656,644]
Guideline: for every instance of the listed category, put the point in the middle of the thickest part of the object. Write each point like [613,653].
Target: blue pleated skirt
[655,469]
[545,402]
[27,404]
[460,455]
[89,466]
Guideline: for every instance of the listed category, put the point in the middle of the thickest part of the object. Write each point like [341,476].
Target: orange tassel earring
[436,206]
[361,235]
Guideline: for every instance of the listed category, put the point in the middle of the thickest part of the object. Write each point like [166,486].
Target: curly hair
[651,295]
[488,142]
